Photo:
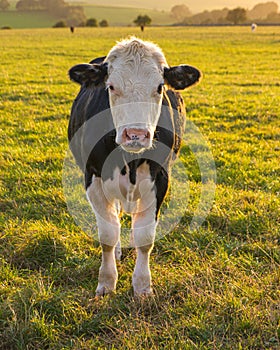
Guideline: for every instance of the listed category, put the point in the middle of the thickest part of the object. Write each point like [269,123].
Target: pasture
[20,19]
[216,287]
[115,16]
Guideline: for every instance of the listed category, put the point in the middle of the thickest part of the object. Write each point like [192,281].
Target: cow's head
[135,72]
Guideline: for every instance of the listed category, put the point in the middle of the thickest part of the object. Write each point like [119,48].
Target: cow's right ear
[88,74]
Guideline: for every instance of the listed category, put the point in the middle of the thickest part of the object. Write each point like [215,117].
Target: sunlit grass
[215,288]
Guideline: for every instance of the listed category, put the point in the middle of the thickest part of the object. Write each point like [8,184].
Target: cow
[254,27]
[125,130]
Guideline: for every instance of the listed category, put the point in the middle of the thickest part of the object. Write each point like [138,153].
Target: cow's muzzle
[136,140]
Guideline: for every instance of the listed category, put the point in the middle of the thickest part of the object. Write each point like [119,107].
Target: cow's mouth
[135,140]
[134,147]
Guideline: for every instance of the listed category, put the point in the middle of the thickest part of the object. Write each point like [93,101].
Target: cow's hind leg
[109,233]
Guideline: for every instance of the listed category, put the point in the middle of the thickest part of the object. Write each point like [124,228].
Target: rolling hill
[194,6]
[116,16]
[125,16]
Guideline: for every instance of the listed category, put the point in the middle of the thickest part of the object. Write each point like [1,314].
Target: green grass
[22,19]
[116,16]
[215,288]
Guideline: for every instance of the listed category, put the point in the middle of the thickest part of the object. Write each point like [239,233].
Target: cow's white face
[135,91]
[134,73]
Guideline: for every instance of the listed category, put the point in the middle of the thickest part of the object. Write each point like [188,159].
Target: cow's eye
[160,88]
[115,91]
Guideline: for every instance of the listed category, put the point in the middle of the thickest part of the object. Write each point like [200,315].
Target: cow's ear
[88,74]
[181,77]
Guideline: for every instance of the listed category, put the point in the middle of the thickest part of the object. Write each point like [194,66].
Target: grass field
[36,19]
[215,288]
[116,16]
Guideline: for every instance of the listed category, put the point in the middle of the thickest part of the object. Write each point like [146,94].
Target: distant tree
[180,12]
[58,8]
[52,6]
[142,21]
[54,3]
[237,15]
[74,15]
[208,17]
[27,5]
[104,23]
[263,10]
[4,5]
[91,22]
[273,18]
[60,24]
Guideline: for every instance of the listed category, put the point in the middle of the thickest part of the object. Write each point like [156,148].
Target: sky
[194,6]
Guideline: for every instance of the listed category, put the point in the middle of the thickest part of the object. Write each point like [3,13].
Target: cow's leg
[144,227]
[109,233]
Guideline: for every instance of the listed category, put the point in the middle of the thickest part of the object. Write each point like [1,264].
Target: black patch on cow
[181,77]
[132,172]
[98,60]
[162,184]
[133,165]
[87,74]
[123,171]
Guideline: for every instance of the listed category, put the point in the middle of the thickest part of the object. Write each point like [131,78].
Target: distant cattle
[125,130]
[253,27]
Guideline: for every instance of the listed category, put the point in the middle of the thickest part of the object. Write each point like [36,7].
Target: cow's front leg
[144,227]
[109,234]
[108,274]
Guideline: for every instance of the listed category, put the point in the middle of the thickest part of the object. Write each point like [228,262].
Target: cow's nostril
[133,137]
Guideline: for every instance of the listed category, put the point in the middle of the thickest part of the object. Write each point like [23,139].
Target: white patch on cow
[135,72]
[129,195]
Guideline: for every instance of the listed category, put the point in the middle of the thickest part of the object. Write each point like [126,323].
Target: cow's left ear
[181,77]
[88,74]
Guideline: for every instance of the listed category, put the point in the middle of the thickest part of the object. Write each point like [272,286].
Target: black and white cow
[124,131]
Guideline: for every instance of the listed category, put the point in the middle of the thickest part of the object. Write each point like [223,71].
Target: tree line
[262,13]
[69,15]
[73,15]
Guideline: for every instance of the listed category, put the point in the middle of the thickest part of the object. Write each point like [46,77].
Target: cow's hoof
[144,293]
[101,291]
